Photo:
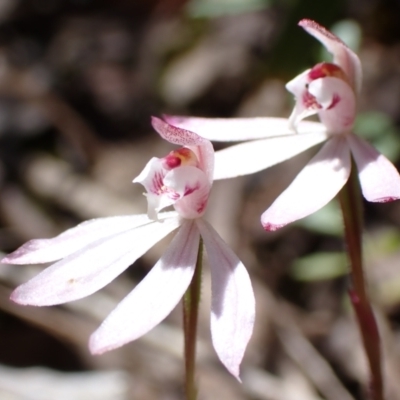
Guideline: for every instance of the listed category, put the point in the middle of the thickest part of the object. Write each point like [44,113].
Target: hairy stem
[351,205]
[191,301]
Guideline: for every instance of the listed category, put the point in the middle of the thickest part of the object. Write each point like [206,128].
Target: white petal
[379,179]
[298,85]
[236,129]
[249,157]
[192,189]
[205,155]
[154,297]
[92,267]
[152,175]
[314,186]
[338,101]
[302,109]
[342,55]
[152,178]
[45,250]
[233,303]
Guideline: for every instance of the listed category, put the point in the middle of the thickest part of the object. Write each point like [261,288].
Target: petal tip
[270,227]
[306,22]
[95,346]
[13,258]
[234,370]
[236,374]
[100,342]
[16,297]
[155,121]
[386,199]
[6,260]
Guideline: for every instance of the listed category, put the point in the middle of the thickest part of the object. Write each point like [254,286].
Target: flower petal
[338,103]
[152,178]
[176,135]
[314,186]
[92,267]
[201,146]
[45,250]
[342,55]
[233,303]
[154,297]
[236,129]
[191,189]
[379,179]
[249,157]
[304,106]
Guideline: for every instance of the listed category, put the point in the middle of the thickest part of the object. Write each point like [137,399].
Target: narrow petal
[154,297]
[236,129]
[314,186]
[342,55]
[233,304]
[46,250]
[379,179]
[176,135]
[92,267]
[249,157]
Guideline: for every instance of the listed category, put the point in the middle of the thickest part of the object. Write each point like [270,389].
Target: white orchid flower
[95,252]
[330,90]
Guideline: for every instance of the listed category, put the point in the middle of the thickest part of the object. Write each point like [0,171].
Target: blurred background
[79,80]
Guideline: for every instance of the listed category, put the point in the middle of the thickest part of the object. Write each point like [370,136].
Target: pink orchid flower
[331,91]
[95,252]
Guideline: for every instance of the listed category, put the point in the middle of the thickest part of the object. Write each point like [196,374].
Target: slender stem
[351,204]
[191,301]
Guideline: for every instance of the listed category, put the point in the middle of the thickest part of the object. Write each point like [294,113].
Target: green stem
[191,301]
[351,204]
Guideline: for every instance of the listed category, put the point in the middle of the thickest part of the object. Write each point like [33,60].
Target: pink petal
[154,297]
[314,186]
[199,145]
[235,129]
[191,188]
[92,267]
[176,135]
[342,55]
[249,157]
[45,250]
[233,303]
[379,179]
[338,103]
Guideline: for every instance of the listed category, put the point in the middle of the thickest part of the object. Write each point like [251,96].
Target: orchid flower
[95,252]
[331,91]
